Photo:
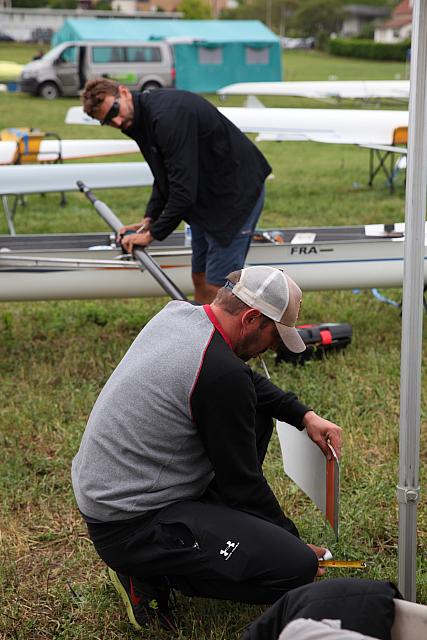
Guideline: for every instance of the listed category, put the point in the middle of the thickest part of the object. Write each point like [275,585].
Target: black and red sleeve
[223,403]
[283,405]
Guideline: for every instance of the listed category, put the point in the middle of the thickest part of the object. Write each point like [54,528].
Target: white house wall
[393,36]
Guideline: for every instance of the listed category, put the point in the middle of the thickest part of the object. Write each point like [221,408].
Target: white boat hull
[337,126]
[46,178]
[350,89]
[28,273]
[50,150]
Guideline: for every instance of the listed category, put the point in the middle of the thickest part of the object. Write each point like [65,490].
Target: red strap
[326,336]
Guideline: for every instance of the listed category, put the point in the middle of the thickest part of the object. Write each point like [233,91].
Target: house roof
[404,7]
[366,11]
[400,17]
[396,22]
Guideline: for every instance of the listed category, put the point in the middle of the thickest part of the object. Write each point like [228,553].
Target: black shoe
[145,602]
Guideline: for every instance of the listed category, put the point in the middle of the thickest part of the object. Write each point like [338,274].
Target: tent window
[210,55]
[101,55]
[257,56]
[144,54]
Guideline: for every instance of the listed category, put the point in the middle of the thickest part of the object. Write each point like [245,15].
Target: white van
[63,70]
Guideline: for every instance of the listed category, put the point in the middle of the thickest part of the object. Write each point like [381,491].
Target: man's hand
[140,239]
[322,431]
[139,228]
[320,552]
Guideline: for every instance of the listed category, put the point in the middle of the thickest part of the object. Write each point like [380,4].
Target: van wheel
[150,86]
[49,91]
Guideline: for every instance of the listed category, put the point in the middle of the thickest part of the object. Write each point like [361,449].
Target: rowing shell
[51,150]
[351,89]
[336,126]
[79,266]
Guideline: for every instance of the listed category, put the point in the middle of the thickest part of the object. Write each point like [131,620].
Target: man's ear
[250,317]
[124,91]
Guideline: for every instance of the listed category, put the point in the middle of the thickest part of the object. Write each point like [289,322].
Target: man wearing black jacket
[169,475]
[206,172]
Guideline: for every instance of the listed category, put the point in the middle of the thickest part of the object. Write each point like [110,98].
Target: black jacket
[365,606]
[205,169]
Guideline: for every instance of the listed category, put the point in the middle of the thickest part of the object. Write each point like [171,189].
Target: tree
[63,4]
[28,4]
[195,9]
[317,18]
[274,13]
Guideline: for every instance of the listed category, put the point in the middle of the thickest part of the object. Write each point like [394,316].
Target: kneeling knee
[302,568]
[309,566]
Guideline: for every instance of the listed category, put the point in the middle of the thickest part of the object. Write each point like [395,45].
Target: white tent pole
[412,315]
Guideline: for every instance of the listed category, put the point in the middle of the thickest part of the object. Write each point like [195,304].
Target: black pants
[208,549]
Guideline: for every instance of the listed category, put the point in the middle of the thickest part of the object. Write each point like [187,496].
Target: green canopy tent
[208,53]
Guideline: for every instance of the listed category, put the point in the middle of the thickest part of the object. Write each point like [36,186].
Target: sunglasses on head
[112,113]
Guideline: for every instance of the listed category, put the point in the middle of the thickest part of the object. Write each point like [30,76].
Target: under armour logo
[229,549]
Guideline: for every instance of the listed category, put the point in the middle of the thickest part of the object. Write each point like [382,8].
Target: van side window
[257,56]
[69,55]
[102,55]
[210,55]
[143,54]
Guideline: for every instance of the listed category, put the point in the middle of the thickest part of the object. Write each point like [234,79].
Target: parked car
[297,43]
[4,37]
[63,70]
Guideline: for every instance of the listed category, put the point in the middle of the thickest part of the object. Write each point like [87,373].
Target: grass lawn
[21,52]
[318,65]
[56,356]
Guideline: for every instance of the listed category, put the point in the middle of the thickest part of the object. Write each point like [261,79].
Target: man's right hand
[145,222]
[322,431]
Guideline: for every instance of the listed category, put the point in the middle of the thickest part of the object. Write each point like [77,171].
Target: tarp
[208,53]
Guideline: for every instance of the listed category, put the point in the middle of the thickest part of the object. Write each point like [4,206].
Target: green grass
[317,65]
[56,356]
[18,51]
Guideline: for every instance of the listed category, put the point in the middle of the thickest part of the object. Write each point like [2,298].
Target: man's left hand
[322,431]
[136,239]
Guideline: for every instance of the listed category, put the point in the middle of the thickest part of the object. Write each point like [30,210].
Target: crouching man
[169,476]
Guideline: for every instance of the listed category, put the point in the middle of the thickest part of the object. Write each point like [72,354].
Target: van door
[67,70]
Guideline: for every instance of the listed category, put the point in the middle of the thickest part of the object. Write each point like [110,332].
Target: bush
[369,49]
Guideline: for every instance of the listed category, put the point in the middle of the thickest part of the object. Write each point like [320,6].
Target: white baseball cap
[277,296]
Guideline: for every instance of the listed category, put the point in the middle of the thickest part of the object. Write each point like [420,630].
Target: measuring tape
[343,564]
